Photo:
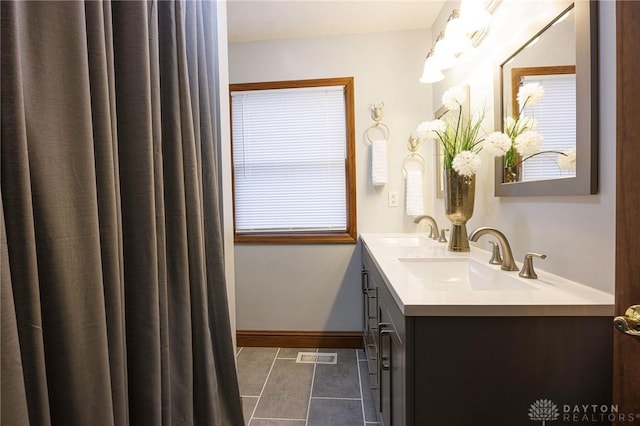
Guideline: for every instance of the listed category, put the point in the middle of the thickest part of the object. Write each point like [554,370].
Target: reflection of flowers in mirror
[461,138]
[530,94]
[567,162]
[520,140]
[528,143]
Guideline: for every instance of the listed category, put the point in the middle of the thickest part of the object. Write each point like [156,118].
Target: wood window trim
[518,73]
[350,235]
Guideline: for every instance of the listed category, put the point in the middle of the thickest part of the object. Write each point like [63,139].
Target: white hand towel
[413,196]
[379,162]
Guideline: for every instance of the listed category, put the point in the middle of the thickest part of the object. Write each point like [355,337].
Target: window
[555,114]
[556,117]
[293,161]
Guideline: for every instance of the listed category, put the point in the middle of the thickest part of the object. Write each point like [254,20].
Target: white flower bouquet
[461,139]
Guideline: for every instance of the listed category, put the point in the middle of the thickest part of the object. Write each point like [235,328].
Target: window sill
[291,238]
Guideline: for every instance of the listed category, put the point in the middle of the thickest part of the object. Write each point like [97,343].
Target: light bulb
[474,15]
[443,54]
[455,28]
[431,73]
[458,43]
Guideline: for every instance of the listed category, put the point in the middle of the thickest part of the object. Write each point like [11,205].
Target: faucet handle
[496,259]
[442,238]
[527,265]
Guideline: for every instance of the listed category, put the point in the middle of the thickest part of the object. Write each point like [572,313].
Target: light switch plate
[393,199]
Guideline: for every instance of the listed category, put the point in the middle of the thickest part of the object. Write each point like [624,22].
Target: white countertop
[550,295]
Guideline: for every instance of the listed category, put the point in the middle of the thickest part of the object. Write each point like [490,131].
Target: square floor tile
[286,394]
[338,380]
[335,412]
[253,367]
[248,405]
[370,411]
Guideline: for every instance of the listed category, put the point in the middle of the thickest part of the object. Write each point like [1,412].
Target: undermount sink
[413,241]
[462,274]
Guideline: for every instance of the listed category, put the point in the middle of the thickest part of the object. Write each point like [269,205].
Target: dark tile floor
[278,391]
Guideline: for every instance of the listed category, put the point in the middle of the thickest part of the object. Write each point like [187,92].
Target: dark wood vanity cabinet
[384,341]
[467,371]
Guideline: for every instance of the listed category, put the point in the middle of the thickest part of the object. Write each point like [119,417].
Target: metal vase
[511,174]
[459,197]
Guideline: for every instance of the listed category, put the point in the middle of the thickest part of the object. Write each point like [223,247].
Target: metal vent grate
[317,358]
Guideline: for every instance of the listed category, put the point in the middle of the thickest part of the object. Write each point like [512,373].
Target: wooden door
[626,349]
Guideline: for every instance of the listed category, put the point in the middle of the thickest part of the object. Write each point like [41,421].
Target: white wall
[317,287]
[576,232]
[293,287]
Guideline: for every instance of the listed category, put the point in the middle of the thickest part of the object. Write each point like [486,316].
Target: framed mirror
[562,58]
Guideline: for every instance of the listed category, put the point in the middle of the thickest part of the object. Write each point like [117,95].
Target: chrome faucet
[435,232]
[508,264]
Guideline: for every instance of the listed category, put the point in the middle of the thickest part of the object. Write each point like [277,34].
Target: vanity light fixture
[464,30]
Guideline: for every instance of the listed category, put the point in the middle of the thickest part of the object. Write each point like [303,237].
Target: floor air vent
[317,358]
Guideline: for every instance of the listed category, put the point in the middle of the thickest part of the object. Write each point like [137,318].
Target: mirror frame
[586,180]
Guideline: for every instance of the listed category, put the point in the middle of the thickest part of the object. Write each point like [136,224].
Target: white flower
[528,143]
[466,163]
[454,98]
[567,162]
[497,144]
[430,129]
[530,93]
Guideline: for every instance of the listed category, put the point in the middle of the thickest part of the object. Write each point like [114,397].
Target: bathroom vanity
[451,340]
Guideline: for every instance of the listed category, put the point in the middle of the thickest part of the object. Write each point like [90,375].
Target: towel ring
[415,158]
[377,113]
[382,128]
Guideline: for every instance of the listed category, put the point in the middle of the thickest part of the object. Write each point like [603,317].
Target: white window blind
[289,151]
[556,116]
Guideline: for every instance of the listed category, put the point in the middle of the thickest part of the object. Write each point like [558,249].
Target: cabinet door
[392,370]
[396,378]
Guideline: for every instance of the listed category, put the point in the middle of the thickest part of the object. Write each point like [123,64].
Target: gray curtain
[114,305]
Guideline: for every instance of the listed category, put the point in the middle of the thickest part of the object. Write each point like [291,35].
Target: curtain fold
[114,305]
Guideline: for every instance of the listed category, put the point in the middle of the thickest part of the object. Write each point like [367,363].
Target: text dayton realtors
[596,413]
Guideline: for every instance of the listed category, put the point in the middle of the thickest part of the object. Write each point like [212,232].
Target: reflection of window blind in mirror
[556,117]
[289,150]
